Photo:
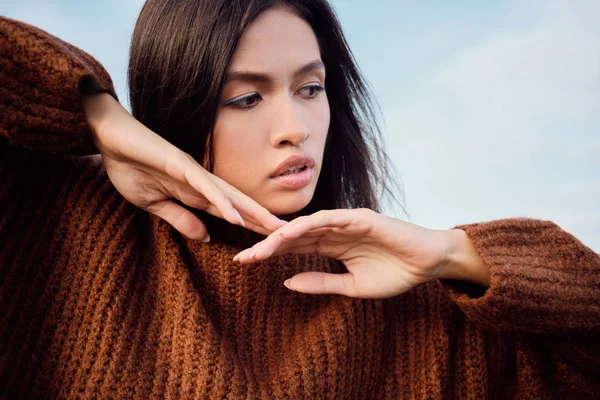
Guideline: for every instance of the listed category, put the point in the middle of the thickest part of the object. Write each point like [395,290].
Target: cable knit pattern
[99,299]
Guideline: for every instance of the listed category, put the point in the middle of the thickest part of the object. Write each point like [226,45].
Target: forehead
[277,41]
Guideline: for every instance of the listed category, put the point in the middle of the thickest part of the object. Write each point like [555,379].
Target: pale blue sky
[491,109]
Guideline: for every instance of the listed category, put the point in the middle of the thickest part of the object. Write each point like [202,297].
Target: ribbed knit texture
[98,299]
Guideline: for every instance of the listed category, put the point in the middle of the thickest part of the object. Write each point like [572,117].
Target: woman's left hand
[384,256]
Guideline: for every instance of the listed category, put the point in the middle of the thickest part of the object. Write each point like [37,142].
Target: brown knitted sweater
[99,299]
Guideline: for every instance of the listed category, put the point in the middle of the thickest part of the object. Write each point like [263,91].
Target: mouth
[295,172]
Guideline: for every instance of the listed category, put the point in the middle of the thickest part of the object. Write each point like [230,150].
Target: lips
[294,173]
[296,163]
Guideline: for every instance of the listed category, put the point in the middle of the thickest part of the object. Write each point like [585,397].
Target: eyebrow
[258,77]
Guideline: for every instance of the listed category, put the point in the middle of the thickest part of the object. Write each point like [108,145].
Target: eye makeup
[249,100]
[242,101]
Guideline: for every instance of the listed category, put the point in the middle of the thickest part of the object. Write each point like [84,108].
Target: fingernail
[253,254]
[237,256]
[280,221]
[287,283]
[239,217]
[206,239]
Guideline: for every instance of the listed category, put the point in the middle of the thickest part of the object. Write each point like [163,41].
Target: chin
[288,202]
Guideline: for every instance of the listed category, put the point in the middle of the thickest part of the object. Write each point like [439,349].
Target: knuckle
[179,219]
[195,201]
[320,213]
[152,207]
[188,194]
[145,197]
[319,248]
[366,212]
[173,163]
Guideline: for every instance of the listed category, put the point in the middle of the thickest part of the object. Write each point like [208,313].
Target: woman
[102,298]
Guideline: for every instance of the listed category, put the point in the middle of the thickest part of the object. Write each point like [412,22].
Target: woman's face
[272,123]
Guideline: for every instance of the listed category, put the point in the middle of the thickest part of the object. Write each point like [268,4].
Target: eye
[311,91]
[245,101]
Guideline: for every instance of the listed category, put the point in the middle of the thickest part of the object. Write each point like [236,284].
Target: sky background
[491,109]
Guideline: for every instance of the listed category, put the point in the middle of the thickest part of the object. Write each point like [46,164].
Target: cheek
[237,150]
[245,157]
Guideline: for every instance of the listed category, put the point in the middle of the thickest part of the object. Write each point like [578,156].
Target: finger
[249,223]
[183,220]
[246,256]
[201,182]
[323,283]
[265,247]
[249,208]
[223,195]
[243,257]
[276,244]
[304,245]
[257,228]
[307,248]
[318,220]
[179,166]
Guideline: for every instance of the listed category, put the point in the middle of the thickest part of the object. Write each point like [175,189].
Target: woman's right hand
[150,172]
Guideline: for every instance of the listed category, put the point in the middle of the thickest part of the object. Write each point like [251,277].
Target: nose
[288,127]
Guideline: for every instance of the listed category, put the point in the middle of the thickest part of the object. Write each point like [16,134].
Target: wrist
[462,260]
[97,107]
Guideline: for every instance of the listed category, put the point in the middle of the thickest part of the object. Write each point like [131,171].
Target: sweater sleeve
[41,80]
[543,280]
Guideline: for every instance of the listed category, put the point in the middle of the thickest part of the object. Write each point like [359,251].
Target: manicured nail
[237,257]
[280,221]
[206,239]
[287,283]
[239,217]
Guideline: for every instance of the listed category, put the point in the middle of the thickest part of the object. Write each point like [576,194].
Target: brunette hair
[179,55]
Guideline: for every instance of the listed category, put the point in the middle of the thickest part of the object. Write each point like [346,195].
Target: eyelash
[238,102]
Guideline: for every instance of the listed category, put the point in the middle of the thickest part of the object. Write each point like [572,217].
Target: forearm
[101,109]
[463,262]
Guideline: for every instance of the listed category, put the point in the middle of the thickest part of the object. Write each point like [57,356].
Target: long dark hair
[179,54]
